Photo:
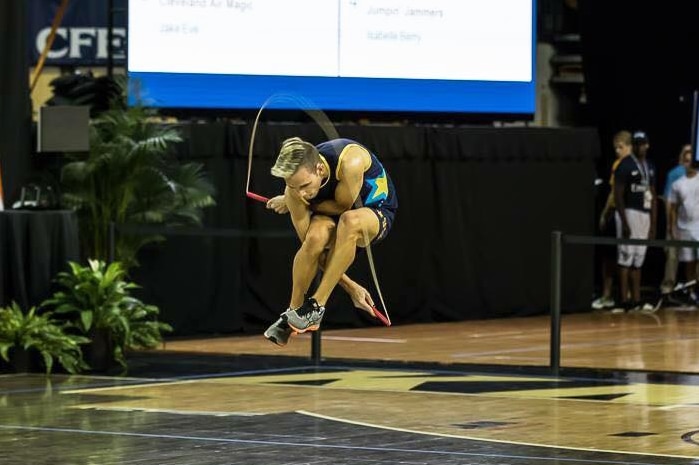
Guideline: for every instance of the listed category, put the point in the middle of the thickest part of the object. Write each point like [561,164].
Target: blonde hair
[294,154]
[623,137]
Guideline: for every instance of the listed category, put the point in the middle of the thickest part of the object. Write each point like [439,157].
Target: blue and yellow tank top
[376,192]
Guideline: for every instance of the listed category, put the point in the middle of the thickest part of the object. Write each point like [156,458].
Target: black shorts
[386,218]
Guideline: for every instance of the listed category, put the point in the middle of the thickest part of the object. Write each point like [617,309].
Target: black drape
[639,63]
[471,238]
[15,106]
[638,60]
[34,247]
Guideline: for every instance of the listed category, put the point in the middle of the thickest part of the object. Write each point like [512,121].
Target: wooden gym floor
[244,401]
[665,341]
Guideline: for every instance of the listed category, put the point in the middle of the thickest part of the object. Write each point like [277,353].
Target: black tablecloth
[34,247]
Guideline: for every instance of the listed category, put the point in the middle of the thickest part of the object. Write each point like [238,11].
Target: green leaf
[38,331]
[4,350]
[86,318]
[48,361]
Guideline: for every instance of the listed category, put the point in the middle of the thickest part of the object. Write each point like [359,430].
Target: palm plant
[32,331]
[98,298]
[130,176]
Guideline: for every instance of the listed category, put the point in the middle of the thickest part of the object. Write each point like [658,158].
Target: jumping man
[340,197]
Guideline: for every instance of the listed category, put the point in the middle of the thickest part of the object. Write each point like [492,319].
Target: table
[34,246]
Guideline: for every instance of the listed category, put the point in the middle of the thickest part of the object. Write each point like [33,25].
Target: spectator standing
[684,220]
[634,195]
[622,142]
[670,276]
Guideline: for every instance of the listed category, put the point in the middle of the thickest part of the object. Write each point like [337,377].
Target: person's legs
[639,254]
[691,270]
[607,277]
[624,261]
[692,276]
[685,292]
[624,283]
[609,255]
[319,234]
[355,228]
[670,275]
[606,300]
[635,278]
[639,223]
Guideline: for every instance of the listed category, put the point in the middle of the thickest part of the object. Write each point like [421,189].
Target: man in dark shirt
[634,195]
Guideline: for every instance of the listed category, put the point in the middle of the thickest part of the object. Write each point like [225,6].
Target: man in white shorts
[684,219]
[634,194]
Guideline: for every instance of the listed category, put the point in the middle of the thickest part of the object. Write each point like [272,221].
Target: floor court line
[326,446]
[74,389]
[188,379]
[499,441]
[576,345]
[364,339]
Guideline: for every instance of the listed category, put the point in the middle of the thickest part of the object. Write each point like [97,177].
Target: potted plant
[24,334]
[131,176]
[98,298]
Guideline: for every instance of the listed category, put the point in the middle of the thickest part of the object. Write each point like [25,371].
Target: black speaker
[63,129]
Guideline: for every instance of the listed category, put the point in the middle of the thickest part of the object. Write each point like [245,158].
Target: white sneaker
[648,308]
[602,303]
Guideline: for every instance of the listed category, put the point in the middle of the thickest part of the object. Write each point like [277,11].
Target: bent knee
[350,223]
[316,240]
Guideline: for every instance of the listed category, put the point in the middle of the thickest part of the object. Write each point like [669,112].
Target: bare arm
[351,176]
[278,204]
[606,211]
[361,298]
[300,213]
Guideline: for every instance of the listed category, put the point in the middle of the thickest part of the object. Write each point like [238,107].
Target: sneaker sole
[301,331]
[274,341]
[272,338]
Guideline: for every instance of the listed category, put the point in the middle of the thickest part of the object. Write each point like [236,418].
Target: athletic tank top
[377,190]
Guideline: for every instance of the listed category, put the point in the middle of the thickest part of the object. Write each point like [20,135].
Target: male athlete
[339,197]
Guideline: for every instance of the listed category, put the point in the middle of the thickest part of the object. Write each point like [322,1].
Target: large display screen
[460,56]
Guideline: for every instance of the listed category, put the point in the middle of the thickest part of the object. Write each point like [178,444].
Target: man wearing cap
[634,195]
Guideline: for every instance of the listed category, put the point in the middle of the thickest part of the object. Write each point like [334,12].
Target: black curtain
[471,238]
[15,105]
[639,61]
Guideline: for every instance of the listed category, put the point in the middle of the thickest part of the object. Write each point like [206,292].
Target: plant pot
[99,353]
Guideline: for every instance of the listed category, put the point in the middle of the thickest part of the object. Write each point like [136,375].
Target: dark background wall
[15,106]
[639,62]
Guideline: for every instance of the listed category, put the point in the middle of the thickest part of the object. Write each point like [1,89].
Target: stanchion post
[315,347]
[556,262]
